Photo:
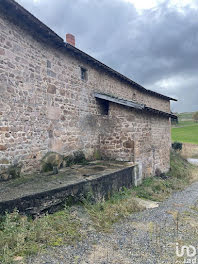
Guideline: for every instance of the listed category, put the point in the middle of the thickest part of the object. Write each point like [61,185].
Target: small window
[49,64]
[104,107]
[134,97]
[83,74]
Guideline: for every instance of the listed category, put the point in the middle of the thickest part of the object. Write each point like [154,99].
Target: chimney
[70,39]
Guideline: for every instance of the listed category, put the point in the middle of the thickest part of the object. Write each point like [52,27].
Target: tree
[195,116]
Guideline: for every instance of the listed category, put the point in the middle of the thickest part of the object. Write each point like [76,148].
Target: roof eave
[132,104]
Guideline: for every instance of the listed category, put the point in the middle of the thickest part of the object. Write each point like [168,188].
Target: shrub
[68,161]
[12,172]
[97,155]
[15,171]
[195,117]
[159,174]
[177,146]
[50,161]
[78,157]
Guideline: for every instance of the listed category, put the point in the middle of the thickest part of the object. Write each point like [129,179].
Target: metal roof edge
[132,104]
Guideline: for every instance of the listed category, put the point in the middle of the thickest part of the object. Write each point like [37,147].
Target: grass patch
[157,189]
[186,134]
[21,236]
[120,205]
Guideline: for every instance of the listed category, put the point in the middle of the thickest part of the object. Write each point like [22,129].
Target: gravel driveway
[193,161]
[146,237]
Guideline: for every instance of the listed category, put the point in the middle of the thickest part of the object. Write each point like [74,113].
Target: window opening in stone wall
[49,64]
[104,107]
[84,74]
[134,97]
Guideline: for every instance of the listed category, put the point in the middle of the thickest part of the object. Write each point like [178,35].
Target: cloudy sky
[153,42]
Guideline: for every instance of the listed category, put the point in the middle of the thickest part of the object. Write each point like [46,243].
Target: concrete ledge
[101,187]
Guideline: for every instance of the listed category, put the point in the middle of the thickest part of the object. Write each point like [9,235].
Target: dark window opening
[49,64]
[104,107]
[84,74]
[134,97]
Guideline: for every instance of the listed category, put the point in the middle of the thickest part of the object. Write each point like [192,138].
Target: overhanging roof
[20,16]
[132,104]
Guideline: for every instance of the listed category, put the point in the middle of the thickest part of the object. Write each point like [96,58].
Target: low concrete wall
[100,188]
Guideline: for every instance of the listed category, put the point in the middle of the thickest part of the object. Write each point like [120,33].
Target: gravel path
[193,161]
[146,237]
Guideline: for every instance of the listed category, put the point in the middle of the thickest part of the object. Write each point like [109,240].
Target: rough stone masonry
[47,101]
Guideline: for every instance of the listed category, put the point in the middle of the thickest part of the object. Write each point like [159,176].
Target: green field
[187,131]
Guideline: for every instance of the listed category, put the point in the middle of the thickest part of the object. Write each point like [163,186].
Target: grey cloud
[149,47]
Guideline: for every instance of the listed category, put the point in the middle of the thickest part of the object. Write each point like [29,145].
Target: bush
[15,170]
[50,161]
[12,172]
[159,174]
[177,146]
[195,117]
[78,157]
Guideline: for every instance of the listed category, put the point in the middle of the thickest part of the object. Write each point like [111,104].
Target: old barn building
[55,97]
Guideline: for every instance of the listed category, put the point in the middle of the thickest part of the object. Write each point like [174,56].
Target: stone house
[55,97]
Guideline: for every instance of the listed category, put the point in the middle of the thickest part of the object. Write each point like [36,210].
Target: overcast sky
[153,42]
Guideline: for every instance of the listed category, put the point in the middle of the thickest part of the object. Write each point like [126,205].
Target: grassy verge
[157,189]
[122,204]
[20,236]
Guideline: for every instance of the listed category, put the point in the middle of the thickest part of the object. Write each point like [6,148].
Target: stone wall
[45,106]
[136,136]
